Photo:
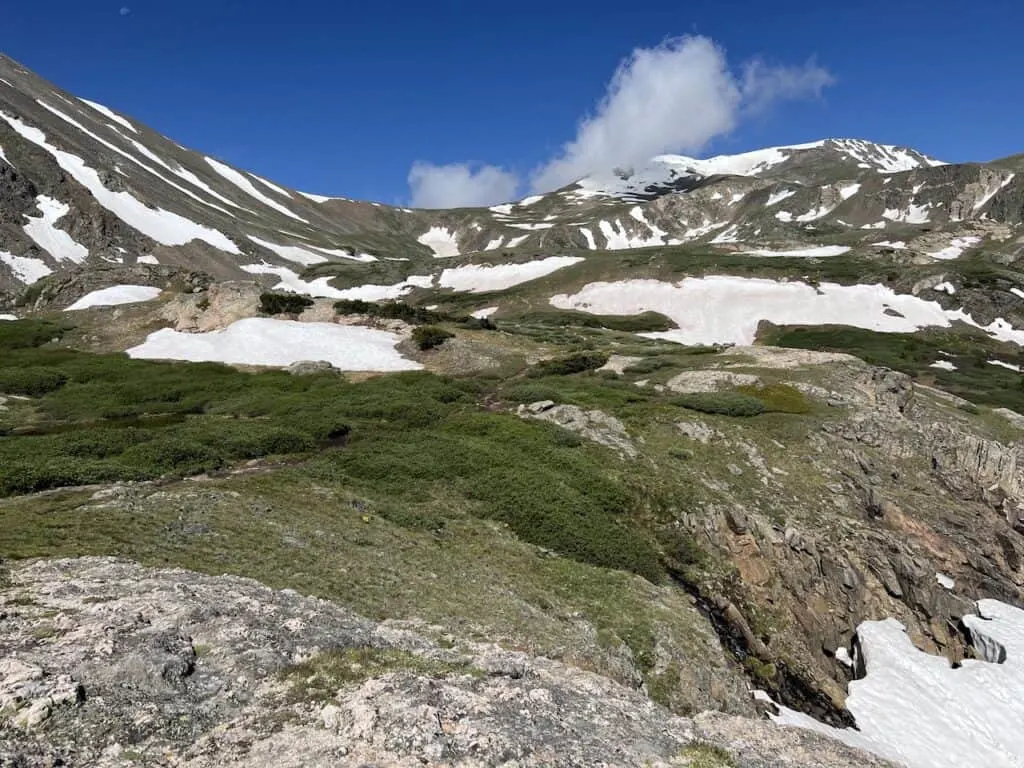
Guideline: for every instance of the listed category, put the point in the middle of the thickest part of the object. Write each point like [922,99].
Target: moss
[701,755]
[320,678]
[765,672]
[283,303]
[430,336]
[724,403]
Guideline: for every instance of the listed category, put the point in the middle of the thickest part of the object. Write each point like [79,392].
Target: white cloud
[460,185]
[674,97]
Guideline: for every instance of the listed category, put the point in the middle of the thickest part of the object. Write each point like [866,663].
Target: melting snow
[504,209]
[944,581]
[816,213]
[163,226]
[1017,292]
[704,229]
[246,186]
[956,247]
[493,245]
[321,287]
[442,242]
[271,342]
[25,268]
[876,225]
[945,288]
[308,257]
[980,203]
[723,309]
[318,198]
[530,200]
[515,241]
[476,278]
[885,158]
[914,214]
[731,235]
[589,237]
[843,657]
[147,259]
[777,197]
[47,236]
[943,365]
[8,317]
[784,216]
[821,250]
[482,313]
[532,226]
[111,114]
[280,190]
[849,191]
[897,245]
[914,708]
[4,157]
[115,295]
[1008,366]
[187,175]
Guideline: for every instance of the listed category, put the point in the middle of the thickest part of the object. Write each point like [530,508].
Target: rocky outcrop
[596,426]
[106,663]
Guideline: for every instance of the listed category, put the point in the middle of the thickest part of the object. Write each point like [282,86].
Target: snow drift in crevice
[114,296]
[914,708]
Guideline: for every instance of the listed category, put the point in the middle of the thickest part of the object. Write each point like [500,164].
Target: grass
[702,755]
[320,678]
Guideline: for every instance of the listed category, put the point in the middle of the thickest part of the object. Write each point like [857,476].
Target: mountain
[617,474]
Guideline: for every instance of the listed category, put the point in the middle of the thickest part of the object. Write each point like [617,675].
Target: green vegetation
[320,678]
[392,310]
[430,336]
[570,364]
[26,334]
[283,303]
[779,398]
[725,403]
[703,755]
[31,381]
[974,378]
[645,322]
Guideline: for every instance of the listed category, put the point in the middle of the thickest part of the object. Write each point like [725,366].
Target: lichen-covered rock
[168,667]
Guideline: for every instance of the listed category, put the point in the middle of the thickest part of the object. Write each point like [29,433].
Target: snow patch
[727,309]
[47,236]
[280,190]
[111,114]
[246,186]
[163,226]
[956,247]
[476,278]
[480,314]
[914,708]
[943,365]
[944,581]
[777,197]
[147,259]
[442,242]
[25,268]
[989,194]
[532,226]
[821,250]
[897,245]
[530,200]
[272,342]
[913,214]
[114,296]
[589,237]
[784,216]
[505,209]
[495,244]
[849,191]
[945,288]
[516,241]
[1008,366]
[4,157]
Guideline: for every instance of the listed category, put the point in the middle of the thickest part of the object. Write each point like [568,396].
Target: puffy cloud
[460,185]
[674,97]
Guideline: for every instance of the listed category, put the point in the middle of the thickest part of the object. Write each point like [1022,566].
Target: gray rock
[311,367]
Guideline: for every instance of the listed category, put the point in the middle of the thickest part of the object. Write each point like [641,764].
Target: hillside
[615,475]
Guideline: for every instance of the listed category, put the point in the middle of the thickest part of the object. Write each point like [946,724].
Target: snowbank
[278,343]
[114,295]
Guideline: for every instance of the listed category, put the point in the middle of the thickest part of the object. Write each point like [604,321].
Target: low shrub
[430,336]
[32,381]
[724,403]
[26,334]
[779,398]
[283,303]
[170,455]
[570,364]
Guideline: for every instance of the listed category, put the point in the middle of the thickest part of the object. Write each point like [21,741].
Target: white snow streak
[913,214]
[777,197]
[108,112]
[163,226]
[589,237]
[897,245]
[943,365]
[849,191]
[147,259]
[944,581]
[4,157]
[480,314]
[476,278]
[47,236]
[493,245]
[516,241]
[271,342]
[821,250]
[114,296]
[1008,366]
[246,186]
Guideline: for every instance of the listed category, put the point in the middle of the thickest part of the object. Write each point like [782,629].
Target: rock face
[593,425]
[109,664]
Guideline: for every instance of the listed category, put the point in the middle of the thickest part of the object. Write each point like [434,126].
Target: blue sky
[347,98]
